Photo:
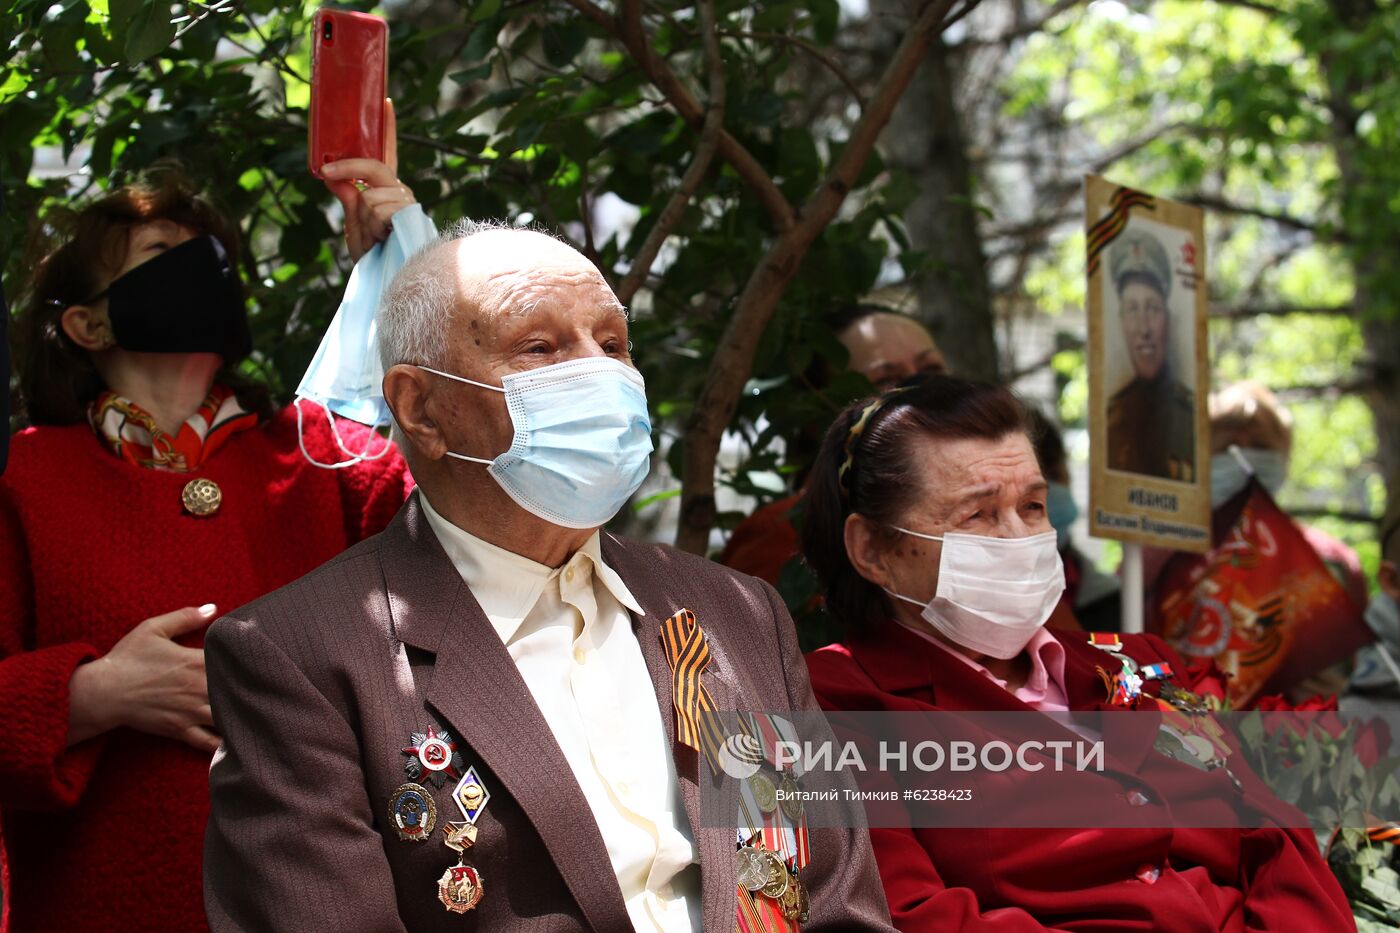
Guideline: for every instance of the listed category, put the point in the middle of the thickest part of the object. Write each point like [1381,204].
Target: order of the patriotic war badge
[432,755]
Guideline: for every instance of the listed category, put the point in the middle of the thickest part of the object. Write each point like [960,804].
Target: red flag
[1261,603]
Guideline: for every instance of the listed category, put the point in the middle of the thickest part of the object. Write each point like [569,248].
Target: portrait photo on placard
[1149,346]
[1149,371]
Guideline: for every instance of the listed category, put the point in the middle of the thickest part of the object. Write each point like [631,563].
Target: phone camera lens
[326,31]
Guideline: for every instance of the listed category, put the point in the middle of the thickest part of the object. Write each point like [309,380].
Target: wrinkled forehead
[512,271]
[956,467]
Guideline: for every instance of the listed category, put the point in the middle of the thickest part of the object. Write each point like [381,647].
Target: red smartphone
[349,75]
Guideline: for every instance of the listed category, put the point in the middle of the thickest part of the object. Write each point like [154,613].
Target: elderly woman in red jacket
[927,524]
[153,490]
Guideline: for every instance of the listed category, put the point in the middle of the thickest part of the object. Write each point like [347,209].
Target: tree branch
[1036,226]
[282,62]
[674,210]
[628,30]
[1244,312]
[1224,206]
[1330,390]
[1360,518]
[1019,32]
[959,13]
[1044,361]
[732,362]
[1265,8]
[192,21]
[826,60]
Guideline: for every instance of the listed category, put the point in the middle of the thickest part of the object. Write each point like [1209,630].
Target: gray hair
[412,317]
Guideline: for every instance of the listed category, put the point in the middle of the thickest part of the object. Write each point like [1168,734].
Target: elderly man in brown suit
[471,720]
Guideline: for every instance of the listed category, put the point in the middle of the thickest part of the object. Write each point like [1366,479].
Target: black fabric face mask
[186,300]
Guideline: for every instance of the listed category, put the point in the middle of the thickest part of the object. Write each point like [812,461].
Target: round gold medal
[791,805]
[763,792]
[751,868]
[778,878]
[788,903]
[202,497]
[804,903]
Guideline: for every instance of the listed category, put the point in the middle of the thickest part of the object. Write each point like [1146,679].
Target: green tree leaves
[148,31]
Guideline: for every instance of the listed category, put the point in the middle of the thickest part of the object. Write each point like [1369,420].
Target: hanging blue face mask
[1376,666]
[1062,511]
[346,376]
[582,441]
[1228,475]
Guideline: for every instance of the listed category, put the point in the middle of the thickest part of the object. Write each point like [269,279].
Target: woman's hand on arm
[147,682]
[370,191]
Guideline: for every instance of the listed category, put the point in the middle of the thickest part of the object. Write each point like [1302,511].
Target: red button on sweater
[109,835]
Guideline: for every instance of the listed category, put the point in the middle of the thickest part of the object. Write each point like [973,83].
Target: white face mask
[993,594]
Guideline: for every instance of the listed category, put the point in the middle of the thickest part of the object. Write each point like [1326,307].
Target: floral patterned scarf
[133,434]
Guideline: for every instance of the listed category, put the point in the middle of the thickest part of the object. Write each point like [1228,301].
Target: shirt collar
[1047,664]
[507,585]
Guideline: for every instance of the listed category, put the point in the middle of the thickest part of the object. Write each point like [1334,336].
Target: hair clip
[854,435]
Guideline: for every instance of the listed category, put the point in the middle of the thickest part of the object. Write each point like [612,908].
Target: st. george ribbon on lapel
[698,723]
[698,726]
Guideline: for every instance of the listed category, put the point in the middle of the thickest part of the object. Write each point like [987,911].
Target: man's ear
[1389,579]
[89,327]
[866,551]
[406,390]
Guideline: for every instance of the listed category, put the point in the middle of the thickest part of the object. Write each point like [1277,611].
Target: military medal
[434,755]
[459,837]
[791,804]
[201,497]
[1195,738]
[763,792]
[776,884]
[1160,671]
[751,868]
[1124,687]
[1184,700]
[804,903]
[788,902]
[412,811]
[460,888]
[1172,744]
[470,795]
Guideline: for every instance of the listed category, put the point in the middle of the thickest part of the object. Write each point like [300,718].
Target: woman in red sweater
[153,491]
[927,524]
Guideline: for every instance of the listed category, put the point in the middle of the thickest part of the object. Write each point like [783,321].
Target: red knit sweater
[109,835]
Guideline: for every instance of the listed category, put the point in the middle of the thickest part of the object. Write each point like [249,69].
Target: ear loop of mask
[363,456]
[917,534]
[470,382]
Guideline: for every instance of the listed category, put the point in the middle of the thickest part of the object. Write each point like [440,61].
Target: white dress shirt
[570,635]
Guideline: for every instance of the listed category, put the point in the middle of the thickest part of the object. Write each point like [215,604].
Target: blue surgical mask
[1376,666]
[1383,618]
[582,441]
[1228,475]
[1062,511]
[346,375]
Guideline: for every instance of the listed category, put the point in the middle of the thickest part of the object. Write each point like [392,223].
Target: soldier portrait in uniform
[1149,370]
[1152,409]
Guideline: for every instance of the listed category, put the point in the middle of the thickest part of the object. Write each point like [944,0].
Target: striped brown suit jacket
[317,686]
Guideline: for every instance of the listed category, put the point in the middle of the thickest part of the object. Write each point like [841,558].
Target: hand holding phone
[370,191]
[349,75]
